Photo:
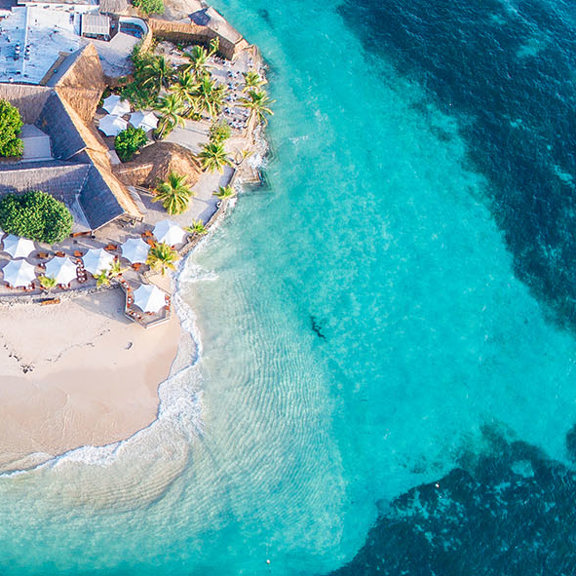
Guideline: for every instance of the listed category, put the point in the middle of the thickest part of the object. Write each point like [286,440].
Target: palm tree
[102,279]
[214,46]
[225,192]
[210,95]
[115,269]
[174,194]
[258,103]
[162,257]
[197,228]
[186,89]
[213,157]
[157,73]
[252,81]
[198,61]
[47,282]
[171,110]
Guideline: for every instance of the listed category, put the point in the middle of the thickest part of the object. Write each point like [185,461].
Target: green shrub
[35,215]
[220,131]
[128,142]
[150,6]
[10,126]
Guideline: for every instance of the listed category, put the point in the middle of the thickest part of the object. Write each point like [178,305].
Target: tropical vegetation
[115,269]
[151,73]
[35,215]
[47,282]
[174,193]
[10,126]
[220,131]
[252,80]
[102,279]
[224,192]
[213,157]
[171,115]
[128,142]
[258,102]
[197,228]
[162,257]
[150,6]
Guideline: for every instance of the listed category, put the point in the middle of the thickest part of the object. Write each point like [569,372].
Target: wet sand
[77,373]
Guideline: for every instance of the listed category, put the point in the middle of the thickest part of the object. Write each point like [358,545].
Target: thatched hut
[80,166]
[80,81]
[155,162]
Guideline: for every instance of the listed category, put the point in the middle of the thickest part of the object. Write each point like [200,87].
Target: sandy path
[77,373]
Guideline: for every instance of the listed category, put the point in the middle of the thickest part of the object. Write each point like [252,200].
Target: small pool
[131,29]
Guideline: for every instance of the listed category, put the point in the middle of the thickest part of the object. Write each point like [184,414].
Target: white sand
[77,373]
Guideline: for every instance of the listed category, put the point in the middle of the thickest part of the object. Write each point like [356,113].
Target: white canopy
[149,298]
[96,261]
[135,250]
[63,270]
[112,125]
[114,105]
[145,120]
[18,247]
[19,273]
[168,232]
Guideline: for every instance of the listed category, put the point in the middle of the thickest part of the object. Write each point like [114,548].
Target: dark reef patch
[510,514]
[507,73]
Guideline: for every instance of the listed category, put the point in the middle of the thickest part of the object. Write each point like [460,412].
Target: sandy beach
[77,373]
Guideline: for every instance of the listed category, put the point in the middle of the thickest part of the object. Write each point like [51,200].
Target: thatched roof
[114,6]
[80,81]
[65,110]
[155,162]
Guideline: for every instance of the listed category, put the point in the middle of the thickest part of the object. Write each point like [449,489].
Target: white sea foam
[180,395]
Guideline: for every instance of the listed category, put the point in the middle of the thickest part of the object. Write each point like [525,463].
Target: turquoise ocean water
[360,323]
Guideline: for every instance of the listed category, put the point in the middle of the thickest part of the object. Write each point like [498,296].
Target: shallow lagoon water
[359,324]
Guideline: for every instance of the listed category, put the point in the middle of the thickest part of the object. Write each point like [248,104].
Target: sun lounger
[49,301]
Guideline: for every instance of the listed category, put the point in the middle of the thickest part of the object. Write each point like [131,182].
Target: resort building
[63,156]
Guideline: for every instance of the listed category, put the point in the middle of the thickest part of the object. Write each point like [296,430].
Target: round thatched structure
[155,162]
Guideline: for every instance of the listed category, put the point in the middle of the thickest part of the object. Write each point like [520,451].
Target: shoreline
[77,377]
[80,373]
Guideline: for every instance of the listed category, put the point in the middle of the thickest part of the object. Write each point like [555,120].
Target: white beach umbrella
[19,273]
[168,232]
[114,105]
[149,298]
[96,261]
[18,247]
[145,120]
[63,270]
[112,125]
[135,250]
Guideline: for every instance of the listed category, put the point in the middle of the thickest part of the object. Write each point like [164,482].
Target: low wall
[189,32]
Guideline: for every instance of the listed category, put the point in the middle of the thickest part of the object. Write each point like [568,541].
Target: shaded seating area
[147,304]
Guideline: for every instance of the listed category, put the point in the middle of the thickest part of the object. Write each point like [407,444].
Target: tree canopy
[128,142]
[150,6]
[35,215]
[10,126]
[174,194]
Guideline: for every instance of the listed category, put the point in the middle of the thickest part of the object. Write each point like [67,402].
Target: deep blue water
[386,378]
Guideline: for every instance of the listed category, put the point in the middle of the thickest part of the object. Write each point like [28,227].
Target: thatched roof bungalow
[80,173]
